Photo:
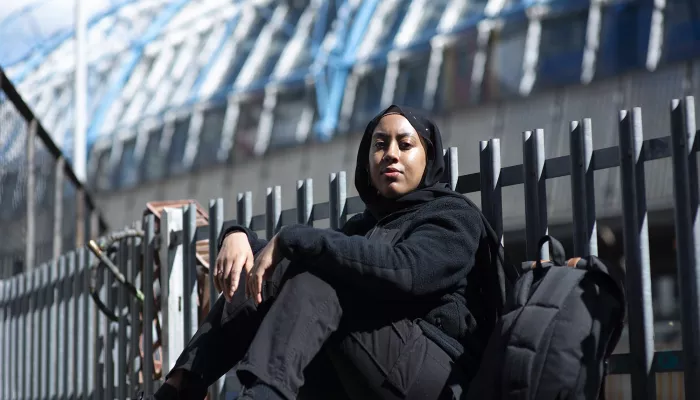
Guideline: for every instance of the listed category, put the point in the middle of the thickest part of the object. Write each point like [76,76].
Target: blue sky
[21,31]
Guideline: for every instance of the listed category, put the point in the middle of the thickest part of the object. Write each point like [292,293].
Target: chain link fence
[44,210]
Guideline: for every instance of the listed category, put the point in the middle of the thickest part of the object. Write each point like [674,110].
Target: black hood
[431,185]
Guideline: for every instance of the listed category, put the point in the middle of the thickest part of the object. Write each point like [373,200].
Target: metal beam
[306,121]
[192,141]
[320,24]
[391,77]
[295,46]
[319,66]
[656,35]
[533,39]
[268,11]
[432,76]
[214,86]
[256,58]
[128,66]
[592,46]
[265,125]
[410,23]
[341,69]
[80,94]
[204,71]
[228,130]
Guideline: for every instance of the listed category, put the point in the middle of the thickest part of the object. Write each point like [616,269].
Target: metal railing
[55,343]
[44,209]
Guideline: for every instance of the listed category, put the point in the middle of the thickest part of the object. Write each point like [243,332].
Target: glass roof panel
[383,26]
[263,62]
[234,54]
[421,20]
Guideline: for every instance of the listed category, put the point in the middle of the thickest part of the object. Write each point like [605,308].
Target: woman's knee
[306,295]
[304,284]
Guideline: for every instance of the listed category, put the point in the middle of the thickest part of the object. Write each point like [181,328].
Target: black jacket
[418,258]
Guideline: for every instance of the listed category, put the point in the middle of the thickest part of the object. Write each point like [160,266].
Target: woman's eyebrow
[384,135]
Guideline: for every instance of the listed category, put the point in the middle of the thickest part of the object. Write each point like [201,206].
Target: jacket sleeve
[256,244]
[352,226]
[432,257]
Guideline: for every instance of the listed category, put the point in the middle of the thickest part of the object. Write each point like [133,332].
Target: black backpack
[560,324]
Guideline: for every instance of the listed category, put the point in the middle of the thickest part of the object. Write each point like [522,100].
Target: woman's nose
[392,153]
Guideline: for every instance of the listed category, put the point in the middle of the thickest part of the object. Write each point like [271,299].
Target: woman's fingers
[258,297]
[217,275]
[250,277]
[221,277]
[224,267]
[235,276]
[257,279]
[249,263]
[251,285]
[227,276]
[227,272]
[215,272]
[249,268]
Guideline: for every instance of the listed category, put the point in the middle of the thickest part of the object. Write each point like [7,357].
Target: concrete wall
[551,111]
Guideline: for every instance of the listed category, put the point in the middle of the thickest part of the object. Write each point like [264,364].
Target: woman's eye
[379,145]
[405,145]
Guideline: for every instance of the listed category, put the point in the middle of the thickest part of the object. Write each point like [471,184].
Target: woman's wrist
[228,234]
[233,234]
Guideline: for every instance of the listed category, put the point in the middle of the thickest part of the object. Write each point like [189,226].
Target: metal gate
[54,342]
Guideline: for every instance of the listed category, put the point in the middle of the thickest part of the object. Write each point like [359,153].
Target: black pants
[299,322]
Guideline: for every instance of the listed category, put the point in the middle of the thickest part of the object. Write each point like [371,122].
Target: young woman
[386,298]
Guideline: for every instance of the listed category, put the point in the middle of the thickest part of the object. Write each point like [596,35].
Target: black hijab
[430,187]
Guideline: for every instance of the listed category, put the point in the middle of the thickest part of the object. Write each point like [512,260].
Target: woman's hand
[264,266]
[235,254]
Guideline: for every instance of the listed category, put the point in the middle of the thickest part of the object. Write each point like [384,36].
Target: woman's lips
[391,172]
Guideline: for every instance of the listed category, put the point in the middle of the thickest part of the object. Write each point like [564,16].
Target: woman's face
[397,157]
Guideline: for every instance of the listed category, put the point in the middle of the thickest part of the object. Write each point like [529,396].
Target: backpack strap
[551,293]
[604,279]
[556,286]
[614,279]
[611,277]
[556,249]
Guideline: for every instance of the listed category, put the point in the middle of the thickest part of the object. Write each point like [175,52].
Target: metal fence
[44,209]
[55,343]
